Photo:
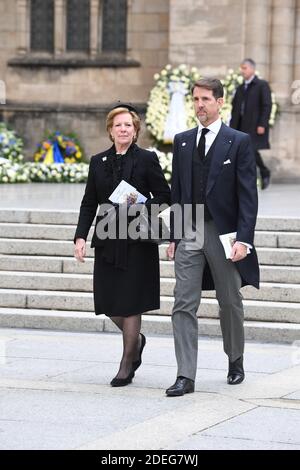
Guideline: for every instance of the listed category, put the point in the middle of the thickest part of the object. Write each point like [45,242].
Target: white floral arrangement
[43,173]
[165,160]
[160,97]
[11,146]
[12,172]
[159,101]
[58,172]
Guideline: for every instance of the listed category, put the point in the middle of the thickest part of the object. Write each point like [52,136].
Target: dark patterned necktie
[201,144]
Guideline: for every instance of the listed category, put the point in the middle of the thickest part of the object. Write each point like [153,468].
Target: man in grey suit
[213,166]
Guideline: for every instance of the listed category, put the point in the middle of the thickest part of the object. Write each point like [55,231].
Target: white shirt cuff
[247,245]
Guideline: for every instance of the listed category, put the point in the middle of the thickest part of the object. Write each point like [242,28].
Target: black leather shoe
[122,382]
[136,364]
[236,372]
[265,181]
[181,387]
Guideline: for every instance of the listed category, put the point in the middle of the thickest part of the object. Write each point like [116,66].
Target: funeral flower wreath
[178,80]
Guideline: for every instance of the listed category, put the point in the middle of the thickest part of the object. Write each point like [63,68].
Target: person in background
[251,109]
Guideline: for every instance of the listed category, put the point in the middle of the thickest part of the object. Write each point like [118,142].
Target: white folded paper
[228,240]
[123,190]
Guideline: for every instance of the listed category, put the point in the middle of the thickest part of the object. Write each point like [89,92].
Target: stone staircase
[43,286]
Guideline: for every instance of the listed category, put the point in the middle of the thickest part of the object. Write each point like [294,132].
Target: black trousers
[264,171]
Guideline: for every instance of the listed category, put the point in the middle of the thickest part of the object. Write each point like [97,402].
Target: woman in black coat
[126,271]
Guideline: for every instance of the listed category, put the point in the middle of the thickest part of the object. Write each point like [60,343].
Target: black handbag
[152,229]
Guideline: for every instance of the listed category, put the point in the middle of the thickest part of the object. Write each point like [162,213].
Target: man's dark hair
[210,83]
[250,62]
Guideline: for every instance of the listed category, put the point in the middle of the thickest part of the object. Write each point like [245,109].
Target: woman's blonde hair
[135,120]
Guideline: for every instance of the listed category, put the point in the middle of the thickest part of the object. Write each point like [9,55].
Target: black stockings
[130,327]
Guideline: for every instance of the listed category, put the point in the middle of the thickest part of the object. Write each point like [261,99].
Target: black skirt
[130,291]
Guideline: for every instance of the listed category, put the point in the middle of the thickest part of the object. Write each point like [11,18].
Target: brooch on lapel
[227,162]
[104,159]
[183,144]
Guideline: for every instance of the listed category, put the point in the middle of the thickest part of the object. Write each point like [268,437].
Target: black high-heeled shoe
[136,364]
[122,382]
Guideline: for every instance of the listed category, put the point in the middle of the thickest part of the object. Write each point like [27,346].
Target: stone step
[83,301]
[66,232]
[36,216]
[152,324]
[281,274]
[26,263]
[46,281]
[39,247]
[266,256]
[279,256]
[284,224]
[274,292]
[37,231]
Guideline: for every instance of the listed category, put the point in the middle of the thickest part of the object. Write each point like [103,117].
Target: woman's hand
[131,199]
[80,250]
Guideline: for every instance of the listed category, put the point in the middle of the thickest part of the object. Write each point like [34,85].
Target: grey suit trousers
[189,267]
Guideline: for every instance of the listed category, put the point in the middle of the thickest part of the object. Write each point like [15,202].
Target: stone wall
[34,122]
[30,82]
[209,35]
[213,36]
[216,35]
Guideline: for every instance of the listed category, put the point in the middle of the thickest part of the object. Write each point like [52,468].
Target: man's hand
[260,130]
[80,250]
[239,251]
[171,251]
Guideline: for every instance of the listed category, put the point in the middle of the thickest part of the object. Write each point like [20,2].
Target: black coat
[231,192]
[126,275]
[142,170]
[258,105]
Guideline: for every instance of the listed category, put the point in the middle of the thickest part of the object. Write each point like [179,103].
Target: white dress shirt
[214,129]
[247,82]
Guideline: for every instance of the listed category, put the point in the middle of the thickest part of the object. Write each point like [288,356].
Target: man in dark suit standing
[213,166]
[251,109]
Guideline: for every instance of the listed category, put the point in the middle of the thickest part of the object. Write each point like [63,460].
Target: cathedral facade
[64,62]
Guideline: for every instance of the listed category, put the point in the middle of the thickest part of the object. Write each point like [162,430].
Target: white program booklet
[124,189]
[228,240]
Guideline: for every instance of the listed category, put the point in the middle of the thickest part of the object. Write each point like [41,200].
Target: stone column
[59,27]
[94,28]
[282,48]
[297,44]
[23,26]
[257,34]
